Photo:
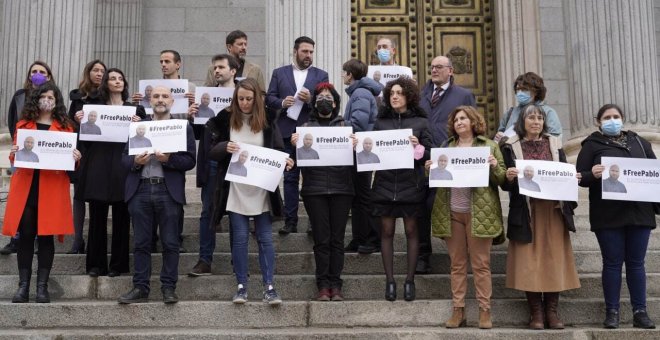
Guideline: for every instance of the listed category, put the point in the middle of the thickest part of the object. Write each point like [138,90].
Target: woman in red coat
[39,202]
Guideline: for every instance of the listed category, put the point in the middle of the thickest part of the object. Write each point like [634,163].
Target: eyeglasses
[439,67]
[324,98]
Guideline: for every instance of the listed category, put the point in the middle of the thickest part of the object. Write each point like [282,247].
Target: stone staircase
[86,308]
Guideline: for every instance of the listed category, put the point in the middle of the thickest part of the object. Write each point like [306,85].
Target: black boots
[23,293]
[390,291]
[409,291]
[611,319]
[641,320]
[42,285]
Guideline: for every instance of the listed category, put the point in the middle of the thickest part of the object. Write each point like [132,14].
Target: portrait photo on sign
[179,87]
[631,179]
[43,149]
[324,146]
[384,150]
[211,101]
[459,167]
[256,166]
[163,135]
[106,123]
[547,180]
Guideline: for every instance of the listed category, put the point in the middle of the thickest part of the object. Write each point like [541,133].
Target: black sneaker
[136,295]
[352,247]
[241,296]
[641,320]
[200,269]
[423,266]
[169,296]
[9,248]
[272,298]
[611,319]
[367,249]
[287,229]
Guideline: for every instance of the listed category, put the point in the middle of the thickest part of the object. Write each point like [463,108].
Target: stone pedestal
[611,59]
[327,22]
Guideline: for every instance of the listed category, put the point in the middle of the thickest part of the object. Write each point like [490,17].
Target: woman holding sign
[245,121]
[101,183]
[327,192]
[39,204]
[540,256]
[401,192]
[621,227]
[469,218]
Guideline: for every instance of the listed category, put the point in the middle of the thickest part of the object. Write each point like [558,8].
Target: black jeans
[424,227]
[328,214]
[97,242]
[364,226]
[28,229]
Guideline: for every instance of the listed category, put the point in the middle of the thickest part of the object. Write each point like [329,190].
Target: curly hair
[31,109]
[258,120]
[410,91]
[104,91]
[531,81]
[519,127]
[477,121]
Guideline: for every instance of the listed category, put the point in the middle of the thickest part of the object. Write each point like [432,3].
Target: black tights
[387,247]
[28,229]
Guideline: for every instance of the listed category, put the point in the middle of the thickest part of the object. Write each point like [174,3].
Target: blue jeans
[206,231]
[239,251]
[624,245]
[151,204]
[291,189]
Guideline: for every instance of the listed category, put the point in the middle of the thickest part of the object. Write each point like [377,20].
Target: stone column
[287,20]
[58,32]
[118,37]
[611,49]
[518,45]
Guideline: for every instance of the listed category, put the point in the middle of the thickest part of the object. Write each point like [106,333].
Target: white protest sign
[39,149]
[631,179]
[179,87]
[324,146]
[163,135]
[386,73]
[384,150]
[211,100]
[547,180]
[257,166]
[106,123]
[459,167]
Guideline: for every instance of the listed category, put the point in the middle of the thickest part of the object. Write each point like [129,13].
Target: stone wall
[197,29]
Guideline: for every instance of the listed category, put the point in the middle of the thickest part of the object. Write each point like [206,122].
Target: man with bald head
[306,151]
[155,194]
[526,182]
[89,127]
[204,111]
[26,154]
[440,96]
[612,183]
[366,156]
[440,173]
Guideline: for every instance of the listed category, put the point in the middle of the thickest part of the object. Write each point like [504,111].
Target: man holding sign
[155,194]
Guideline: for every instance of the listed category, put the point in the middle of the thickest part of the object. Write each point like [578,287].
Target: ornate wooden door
[462,30]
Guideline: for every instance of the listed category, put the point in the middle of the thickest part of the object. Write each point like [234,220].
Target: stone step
[293,287]
[305,333]
[257,315]
[303,263]
[301,242]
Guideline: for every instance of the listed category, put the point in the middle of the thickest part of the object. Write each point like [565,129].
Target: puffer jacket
[518,222]
[610,214]
[361,110]
[326,180]
[485,208]
[403,185]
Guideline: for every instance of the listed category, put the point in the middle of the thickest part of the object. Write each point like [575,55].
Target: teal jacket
[486,207]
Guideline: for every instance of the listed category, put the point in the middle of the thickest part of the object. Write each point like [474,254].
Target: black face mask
[324,107]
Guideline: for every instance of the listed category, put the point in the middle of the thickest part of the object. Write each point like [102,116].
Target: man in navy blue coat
[440,96]
[155,194]
[289,85]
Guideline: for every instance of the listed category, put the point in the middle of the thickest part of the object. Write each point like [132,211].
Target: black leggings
[28,229]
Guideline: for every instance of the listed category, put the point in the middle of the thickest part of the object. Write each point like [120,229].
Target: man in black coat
[155,192]
[440,96]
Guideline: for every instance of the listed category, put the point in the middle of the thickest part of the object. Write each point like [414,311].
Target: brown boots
[457,318]
[536,304]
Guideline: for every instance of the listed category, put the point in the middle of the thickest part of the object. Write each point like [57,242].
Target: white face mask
[46,104]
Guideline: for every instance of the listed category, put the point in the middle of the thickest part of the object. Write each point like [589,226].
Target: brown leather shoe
[336,295]
[457,318]
[485,321]
[551,308]
[324,295]
[535,310]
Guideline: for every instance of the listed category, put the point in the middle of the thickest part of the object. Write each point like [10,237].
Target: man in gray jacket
[361,111]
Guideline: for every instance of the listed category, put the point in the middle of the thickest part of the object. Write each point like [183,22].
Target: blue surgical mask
[38,79]
[384,55]
[611,127]
[523,97]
